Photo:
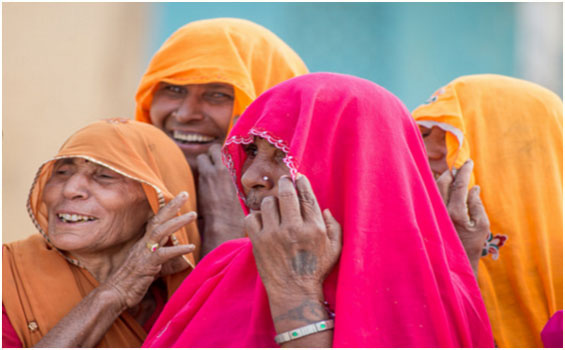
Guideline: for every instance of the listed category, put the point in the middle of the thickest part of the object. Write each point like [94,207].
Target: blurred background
[67,64]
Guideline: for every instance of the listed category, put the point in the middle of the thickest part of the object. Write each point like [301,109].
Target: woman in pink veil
[402,279]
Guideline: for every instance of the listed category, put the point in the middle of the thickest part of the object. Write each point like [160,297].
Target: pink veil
[403,279]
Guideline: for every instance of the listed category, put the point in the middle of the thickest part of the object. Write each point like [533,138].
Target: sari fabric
[403,279]
[227,50]
[513,131]
[41,284]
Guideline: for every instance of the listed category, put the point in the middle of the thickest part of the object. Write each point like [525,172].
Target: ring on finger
[152,246]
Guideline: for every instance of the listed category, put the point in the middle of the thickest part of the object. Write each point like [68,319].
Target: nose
[257,176]
[190,109]
[76,187]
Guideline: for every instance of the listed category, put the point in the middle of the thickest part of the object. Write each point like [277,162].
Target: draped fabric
[41,284]
[403,279]
[513,131]
[226,50]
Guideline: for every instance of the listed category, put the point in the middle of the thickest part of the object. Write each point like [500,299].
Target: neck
[102,264]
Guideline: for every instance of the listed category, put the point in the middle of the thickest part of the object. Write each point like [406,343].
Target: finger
[270,212]
[333,228]
[169,211]
[164,254]
[161,232]
[204,164]
[215,152]
[288,201]
[443,183]
[457,203]
[477,213]
[252,224]
[308,202]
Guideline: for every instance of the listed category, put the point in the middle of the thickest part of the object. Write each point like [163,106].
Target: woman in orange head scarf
[513,131]
[99,273]
[199,81]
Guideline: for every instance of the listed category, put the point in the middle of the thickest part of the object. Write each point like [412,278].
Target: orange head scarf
[39,286]
[513,131]
[226,50]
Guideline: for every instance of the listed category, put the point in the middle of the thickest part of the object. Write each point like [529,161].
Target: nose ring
[265,178]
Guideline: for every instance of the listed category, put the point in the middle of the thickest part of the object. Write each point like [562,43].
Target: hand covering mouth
[74,218]
[190,137]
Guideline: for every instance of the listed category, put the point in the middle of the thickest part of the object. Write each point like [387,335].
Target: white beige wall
[63,65]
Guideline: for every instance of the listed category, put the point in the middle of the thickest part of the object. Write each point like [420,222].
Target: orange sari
[513,131]
[41,284]
[226,50]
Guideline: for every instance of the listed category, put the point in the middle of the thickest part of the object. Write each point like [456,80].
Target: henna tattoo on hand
[304,263]
[309,311]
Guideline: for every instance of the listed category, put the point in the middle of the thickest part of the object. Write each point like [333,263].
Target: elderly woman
[196,85]
[512,132]
[112,244]
[314,159]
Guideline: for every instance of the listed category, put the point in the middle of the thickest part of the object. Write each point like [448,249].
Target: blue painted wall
[409,48]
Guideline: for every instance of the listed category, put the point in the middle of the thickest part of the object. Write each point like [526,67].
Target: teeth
[192,137]
[74,218]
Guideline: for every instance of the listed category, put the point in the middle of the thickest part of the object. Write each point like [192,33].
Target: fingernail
[191,246]
[478,189]
[299,176]
[183,194]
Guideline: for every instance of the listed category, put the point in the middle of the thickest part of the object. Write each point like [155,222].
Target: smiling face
[261,172]
[92,209]
[194,116]
[434,140]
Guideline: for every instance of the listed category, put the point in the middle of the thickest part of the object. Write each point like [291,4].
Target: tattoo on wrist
[309,311]
[304,263]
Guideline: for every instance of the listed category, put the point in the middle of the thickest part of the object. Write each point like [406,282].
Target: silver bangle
[304,331]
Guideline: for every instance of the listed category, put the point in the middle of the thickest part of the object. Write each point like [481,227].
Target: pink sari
[403,279]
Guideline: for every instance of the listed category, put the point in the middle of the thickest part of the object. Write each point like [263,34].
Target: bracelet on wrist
[304,331]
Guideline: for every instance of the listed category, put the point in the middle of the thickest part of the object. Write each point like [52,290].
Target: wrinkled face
[194,116]
[434,139]
[93,209]
[261,172]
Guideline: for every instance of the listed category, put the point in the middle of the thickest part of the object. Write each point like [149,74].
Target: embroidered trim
[75,262]
[493,244]
[245,140]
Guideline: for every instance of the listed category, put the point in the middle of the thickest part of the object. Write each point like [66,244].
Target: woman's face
[261,172]
[93,209]
[434,140]
[194,116]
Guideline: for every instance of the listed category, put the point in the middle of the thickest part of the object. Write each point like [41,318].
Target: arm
[295,247]
[466,211]
[87,322]
[218,203]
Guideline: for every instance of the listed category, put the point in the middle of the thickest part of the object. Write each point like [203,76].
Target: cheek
[221,116]
[51,193]
[160,109]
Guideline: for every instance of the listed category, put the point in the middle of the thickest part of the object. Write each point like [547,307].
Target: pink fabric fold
[403,279]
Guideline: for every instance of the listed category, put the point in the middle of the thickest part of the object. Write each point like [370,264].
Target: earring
[265,178]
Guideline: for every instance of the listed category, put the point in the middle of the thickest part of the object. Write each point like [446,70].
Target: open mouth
[74,218]
[192,138]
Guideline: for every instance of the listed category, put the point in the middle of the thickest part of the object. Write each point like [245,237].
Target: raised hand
[218,204]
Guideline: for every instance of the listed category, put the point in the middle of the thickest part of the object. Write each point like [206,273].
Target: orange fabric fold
[41,284]
[513,131]
[227,50]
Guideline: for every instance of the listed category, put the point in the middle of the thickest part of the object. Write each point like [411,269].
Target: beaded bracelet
[304,331]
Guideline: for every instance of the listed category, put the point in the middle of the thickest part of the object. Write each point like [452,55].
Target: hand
[218,204]
[142,266]
[294,244]
[466,211]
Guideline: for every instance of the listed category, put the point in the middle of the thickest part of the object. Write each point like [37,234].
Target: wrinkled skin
[112,245]
[295,244]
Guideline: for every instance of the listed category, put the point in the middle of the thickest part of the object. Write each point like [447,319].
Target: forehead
[80,162]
